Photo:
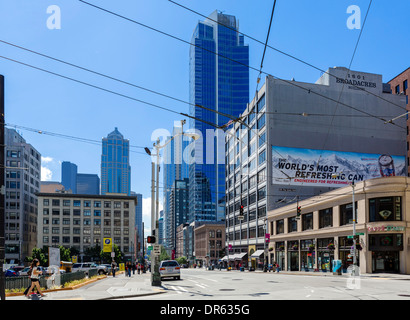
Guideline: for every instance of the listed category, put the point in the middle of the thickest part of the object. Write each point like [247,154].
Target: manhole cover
[226,289]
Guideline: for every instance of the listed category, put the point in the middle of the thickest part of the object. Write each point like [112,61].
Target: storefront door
[385,261]
[293,260]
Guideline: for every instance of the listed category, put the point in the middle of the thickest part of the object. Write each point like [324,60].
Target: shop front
[280,255]
[293,255]
[307,255]
[325,254]
[386,250]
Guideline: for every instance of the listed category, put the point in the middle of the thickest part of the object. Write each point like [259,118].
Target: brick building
[399,86]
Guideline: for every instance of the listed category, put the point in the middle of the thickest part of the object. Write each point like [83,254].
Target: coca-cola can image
[386,166]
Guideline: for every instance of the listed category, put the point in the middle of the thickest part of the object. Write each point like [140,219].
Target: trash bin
[337,267]
[242,269]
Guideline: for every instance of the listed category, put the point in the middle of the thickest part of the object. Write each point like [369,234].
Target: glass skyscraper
[115,164]
[219,80]
[174,168]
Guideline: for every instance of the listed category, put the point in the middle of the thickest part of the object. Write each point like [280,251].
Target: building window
[77,203]
[346,214]
[385,209]
[292,224]
[280,226]
[262,157]
[262,139]
[261,103]
[261,122]
[326,218]
[307,221]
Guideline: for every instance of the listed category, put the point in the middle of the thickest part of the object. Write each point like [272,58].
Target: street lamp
[155,276]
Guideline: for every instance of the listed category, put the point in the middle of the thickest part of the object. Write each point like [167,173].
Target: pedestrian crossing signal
[151,239]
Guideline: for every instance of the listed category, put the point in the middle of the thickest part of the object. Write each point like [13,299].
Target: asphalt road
[201,284]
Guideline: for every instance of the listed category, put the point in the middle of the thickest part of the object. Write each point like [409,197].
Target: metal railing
[48,281]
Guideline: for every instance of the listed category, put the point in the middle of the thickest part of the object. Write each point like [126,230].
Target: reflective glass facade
[220,83]
[115,167]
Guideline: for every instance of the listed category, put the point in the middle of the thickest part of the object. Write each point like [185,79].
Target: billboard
[308,167]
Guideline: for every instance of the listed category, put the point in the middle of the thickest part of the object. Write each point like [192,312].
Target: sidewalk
[104,289]
[140,285]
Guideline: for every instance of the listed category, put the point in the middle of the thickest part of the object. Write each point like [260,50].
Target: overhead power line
[118,80]
[284,53]
[64,136]
[235,61]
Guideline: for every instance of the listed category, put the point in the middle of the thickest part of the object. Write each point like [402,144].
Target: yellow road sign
[107,245]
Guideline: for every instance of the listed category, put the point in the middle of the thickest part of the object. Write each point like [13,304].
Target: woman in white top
[35,274]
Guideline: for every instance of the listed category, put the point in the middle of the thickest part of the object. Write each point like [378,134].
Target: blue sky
[314,31]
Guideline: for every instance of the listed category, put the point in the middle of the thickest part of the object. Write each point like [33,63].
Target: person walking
[139,268]
[35,278]
[113,268]
[129,269]
[28,288]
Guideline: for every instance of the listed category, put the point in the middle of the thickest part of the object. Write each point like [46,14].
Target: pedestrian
[139,268]
[113,268]
[129,268]
[133,268]
[35,278]
[28,288]
[277,267]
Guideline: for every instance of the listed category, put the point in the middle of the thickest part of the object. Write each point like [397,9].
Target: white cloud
[46,174]
[46,159]
[146,214]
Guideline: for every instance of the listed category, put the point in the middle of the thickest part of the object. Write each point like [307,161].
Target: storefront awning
[239,256]
[224,258]
[257,254]
[232,257]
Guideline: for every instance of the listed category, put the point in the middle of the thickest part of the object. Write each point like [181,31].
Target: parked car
[17,268]
[24,272]
[86,266]
[170,269]
[11,273]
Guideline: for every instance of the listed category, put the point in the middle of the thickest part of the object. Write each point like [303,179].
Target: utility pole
[354,229]
[2,193]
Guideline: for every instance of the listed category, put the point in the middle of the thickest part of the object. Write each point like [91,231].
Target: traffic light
[151,239]
[240,217]
[299,211]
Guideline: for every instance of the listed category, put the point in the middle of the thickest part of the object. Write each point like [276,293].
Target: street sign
[359,234]
[156,249]
[349,237]
[107,245]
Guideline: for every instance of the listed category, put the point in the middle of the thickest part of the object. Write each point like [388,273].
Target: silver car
[170,269]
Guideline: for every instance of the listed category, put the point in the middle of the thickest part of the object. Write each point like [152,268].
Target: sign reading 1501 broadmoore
[308,167]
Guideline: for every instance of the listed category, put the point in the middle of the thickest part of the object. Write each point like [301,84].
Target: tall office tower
[219,80]
[175,168]
[138,223]
[22,171]
[88,184]
[115,164]
[178,210]
[69,176]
